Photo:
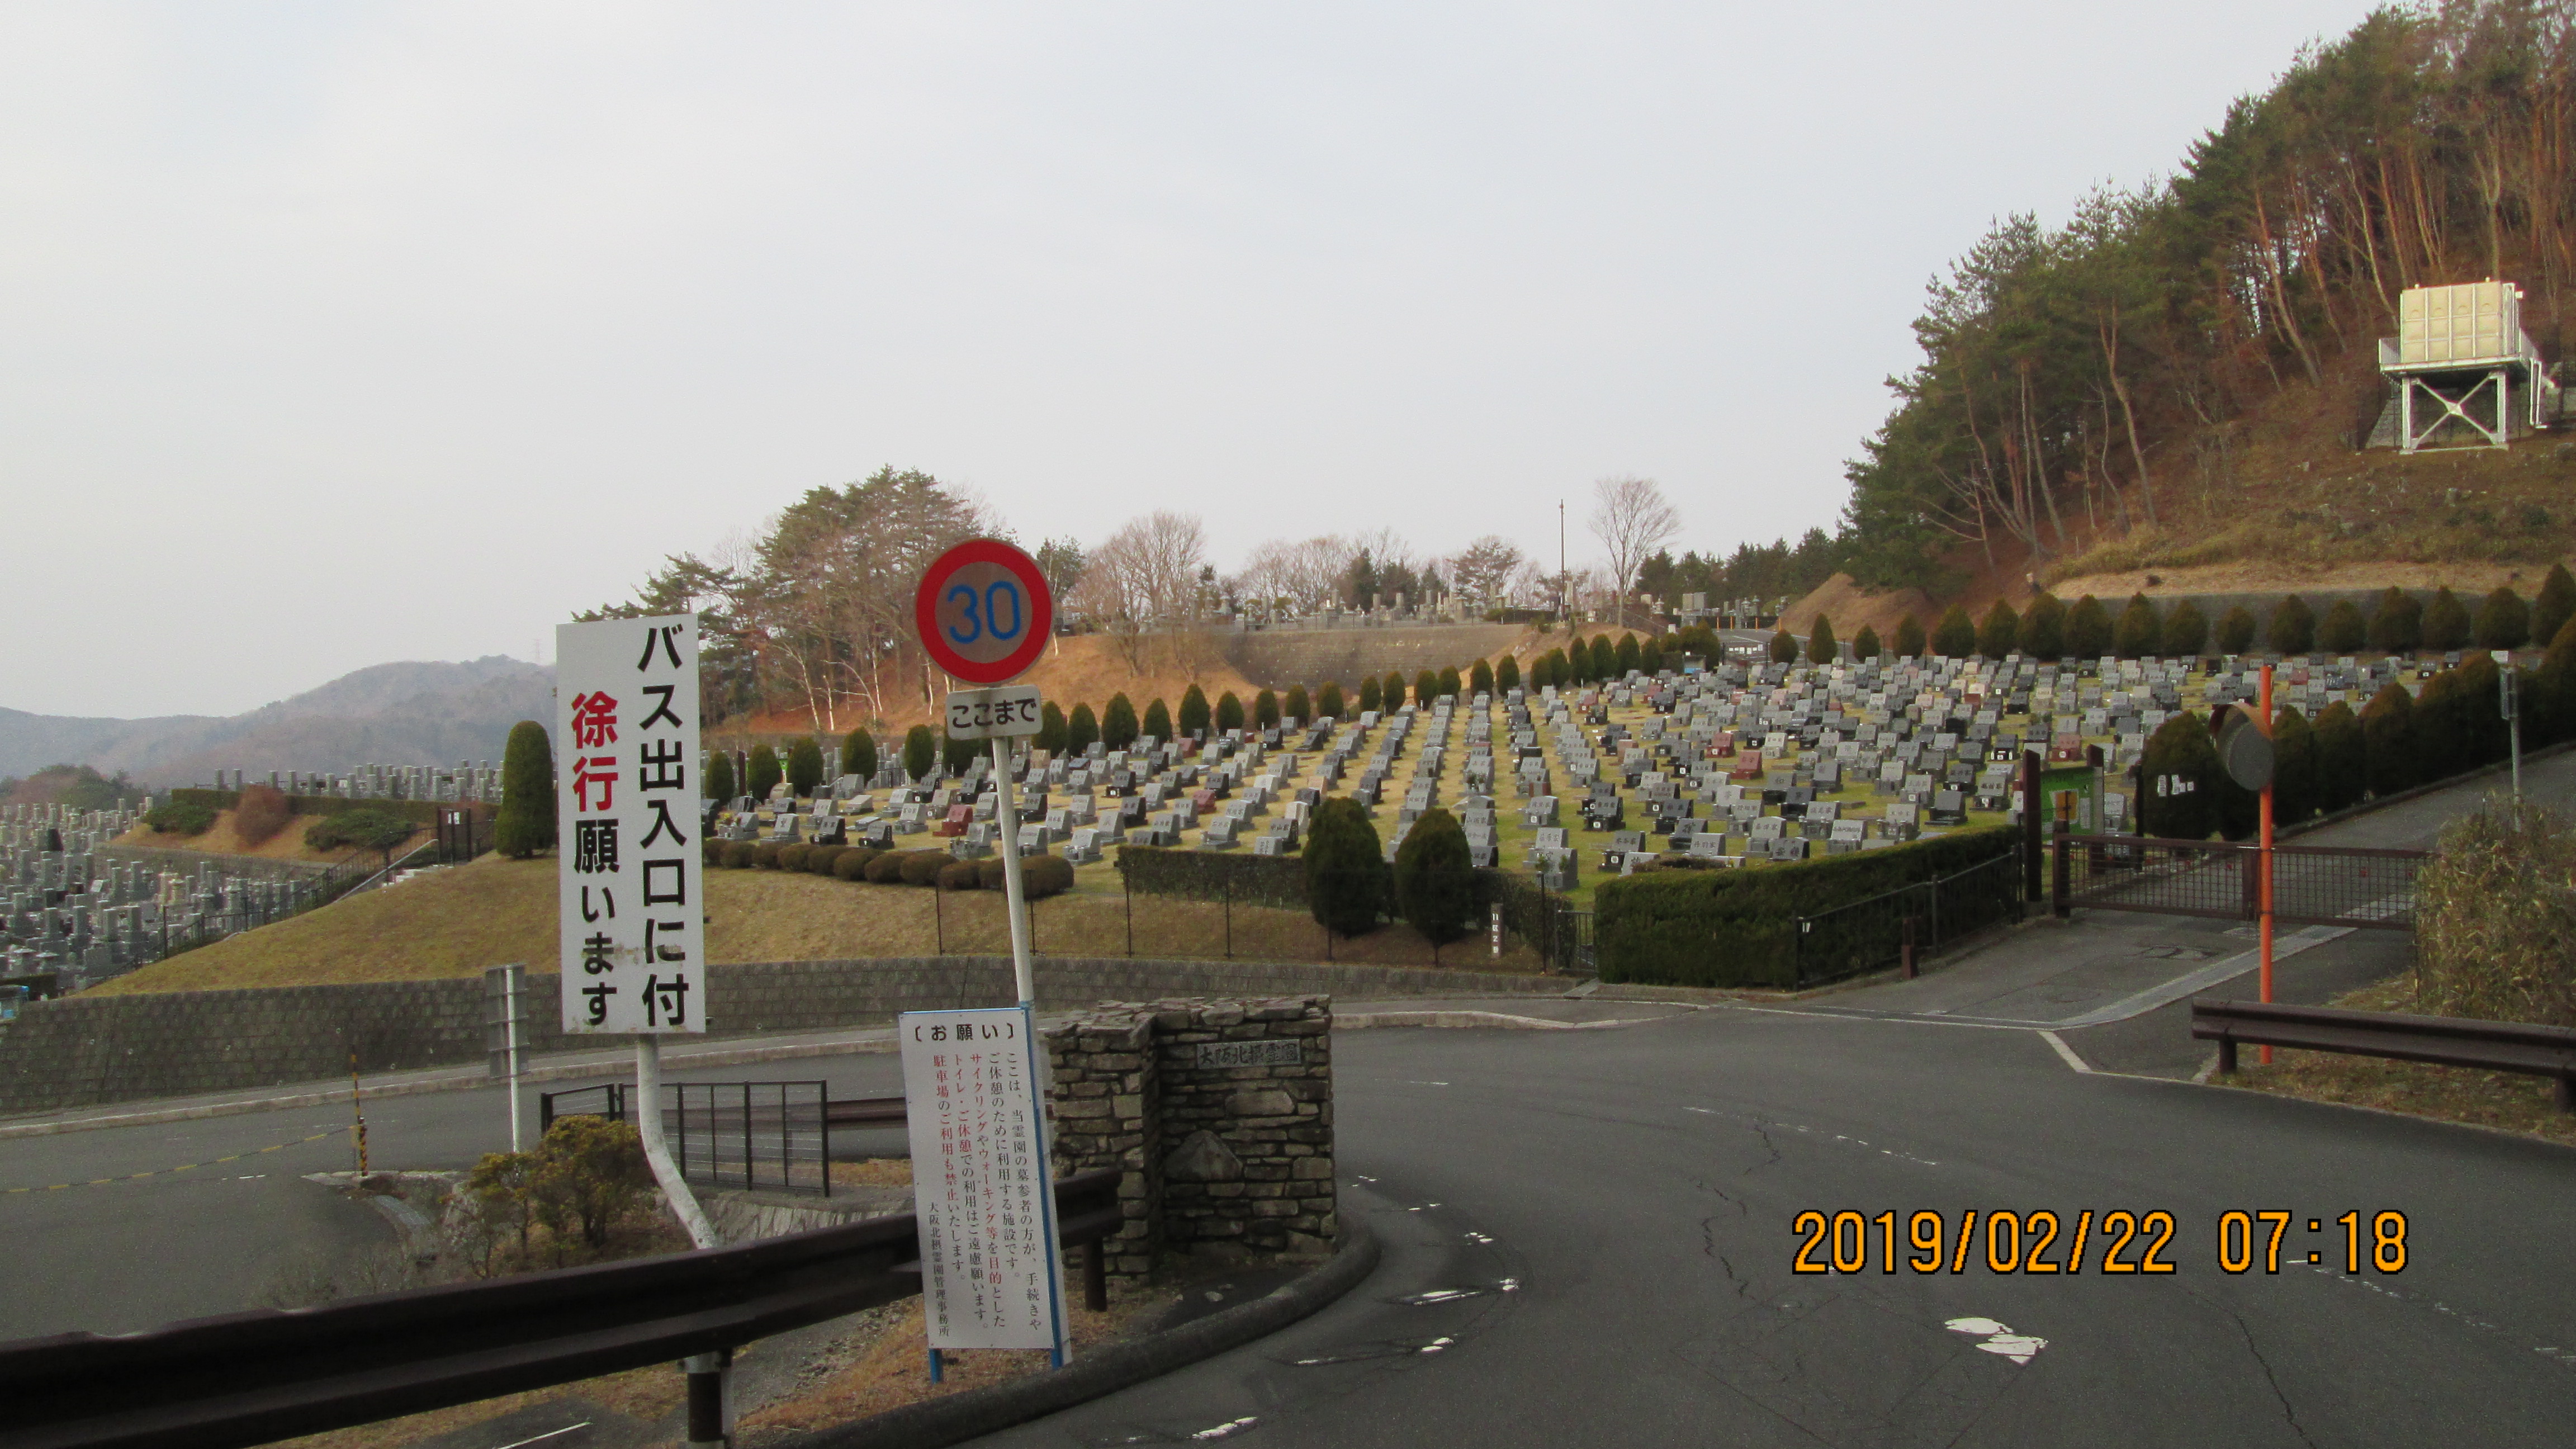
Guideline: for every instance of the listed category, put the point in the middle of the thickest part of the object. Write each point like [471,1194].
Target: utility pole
[1564,598]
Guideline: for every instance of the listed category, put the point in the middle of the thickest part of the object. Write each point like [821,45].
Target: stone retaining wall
[85,1050]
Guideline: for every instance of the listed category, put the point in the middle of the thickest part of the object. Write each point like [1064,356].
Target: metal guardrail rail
[2312,885]
[250,1378]
[2495,1046]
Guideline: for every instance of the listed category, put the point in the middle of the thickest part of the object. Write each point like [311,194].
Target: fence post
[938,919]
[1127,897]
[1908,949]
[2057,877]
[2030,807]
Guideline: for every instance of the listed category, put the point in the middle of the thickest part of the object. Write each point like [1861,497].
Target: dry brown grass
[224,837]
[2501,1100]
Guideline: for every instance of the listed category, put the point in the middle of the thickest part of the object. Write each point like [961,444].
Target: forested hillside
[2180,374]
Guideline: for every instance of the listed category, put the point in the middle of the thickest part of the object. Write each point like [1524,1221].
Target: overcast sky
[339,333]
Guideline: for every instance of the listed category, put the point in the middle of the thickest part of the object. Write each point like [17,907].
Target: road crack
[2288,1413]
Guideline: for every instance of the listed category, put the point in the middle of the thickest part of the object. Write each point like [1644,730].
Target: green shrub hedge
[854,862]
[181,817]
[1738,927]
[1208,875]
[922,867]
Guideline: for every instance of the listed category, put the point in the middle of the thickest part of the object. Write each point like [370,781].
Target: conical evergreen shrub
[526,823]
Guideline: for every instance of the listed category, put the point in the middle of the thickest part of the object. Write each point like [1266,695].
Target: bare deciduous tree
[1632,520]
[1485,567]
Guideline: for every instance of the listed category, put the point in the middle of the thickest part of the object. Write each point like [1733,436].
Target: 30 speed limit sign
[984,611]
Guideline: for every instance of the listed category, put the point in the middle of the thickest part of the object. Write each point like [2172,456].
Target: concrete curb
[964,1416]
[1503,1020]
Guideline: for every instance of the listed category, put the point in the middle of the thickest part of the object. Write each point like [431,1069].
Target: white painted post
[1007,812]
[657,1151]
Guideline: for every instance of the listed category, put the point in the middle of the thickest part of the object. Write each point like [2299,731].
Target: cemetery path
[1591,1235]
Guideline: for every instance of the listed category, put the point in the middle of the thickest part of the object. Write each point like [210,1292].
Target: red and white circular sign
[984,611]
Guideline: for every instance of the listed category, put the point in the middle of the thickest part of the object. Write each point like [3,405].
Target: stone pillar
[1104,1099]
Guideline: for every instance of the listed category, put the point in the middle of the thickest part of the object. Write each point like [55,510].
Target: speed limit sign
[984,611]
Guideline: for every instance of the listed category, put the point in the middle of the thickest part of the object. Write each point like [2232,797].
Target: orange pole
[2265,865]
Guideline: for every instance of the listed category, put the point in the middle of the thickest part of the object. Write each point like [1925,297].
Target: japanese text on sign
[980,714]
[981,1191]
[626,736]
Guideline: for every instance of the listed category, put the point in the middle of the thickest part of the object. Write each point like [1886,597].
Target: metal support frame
[2411,439]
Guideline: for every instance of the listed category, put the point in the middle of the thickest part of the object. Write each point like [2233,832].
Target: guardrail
[2312,885]
[250,1378]
[2495,1046]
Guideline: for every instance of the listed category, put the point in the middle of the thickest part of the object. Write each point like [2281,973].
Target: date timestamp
[2117,1241]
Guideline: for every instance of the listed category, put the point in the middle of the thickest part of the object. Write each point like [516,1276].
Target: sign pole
[1007,811]
[2265,865]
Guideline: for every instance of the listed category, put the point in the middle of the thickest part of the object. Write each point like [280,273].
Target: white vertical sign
[981,1192]
[632,875]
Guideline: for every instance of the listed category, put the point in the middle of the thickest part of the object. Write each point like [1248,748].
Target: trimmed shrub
[2141,631]
[1507,673]
[956,757]
[1391,693]
[2000,633]
[1345,869]
[1450,684]
[2388,740]
[2553,703]
[2178,780]
[527,820]
[2185,631]
[805,768]
[2088,629]
[1328,701]
[1265,708]
[763,772]
[2240,811]
[886,869]
[1956,635]
[1051,735]
[1909,638]
[1081,730]
[764,855]
[2446,621]
[2043,627]
[2340,759]
[2236,630]
[2504,621]
[1118,727]
[1193,717]
[2397,626]
[2438,729]
[1865,643]
[1560,671]
[737,854]
[1158,721]
[181,817]
[852,864]
[1480,678]
[1229,712]
[1784,647]
[791,856]
[859,751]
[719,777]
[1210,875]
[961,875]
[2555,606]
[824,859]
[2341,631]
[368,829]
[922,867]
[2341,762]
[1042,876]
[2294,627]
[2294,767]
[262,812]
[1624,654]
[1296,705]
[1435,881]
[1605,658]
[1370,696]
[1738,927]
[1650,656]
[2477,714]
[1425,685]
[1822,647]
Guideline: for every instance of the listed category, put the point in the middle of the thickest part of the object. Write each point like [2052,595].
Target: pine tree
[2388,740]
[1865,643]
[720,776]
[2000,634]
[805,767]
[2555,606]
[1507,673]
[1956,635]
[2088,629]
[1297,706]
[1194,715]
[1345,869]
[1328,701]
[1118,722]
[1265,710]
[1784,647]
[1081,731]
[2141,629]
[920,753]
[2397,626]
[2185,631]
[2294,627]
[1229,712]
[859,753]
[2043,627]
[1435,879]
[765,773]
[526,823]
[2236,630]
[1158,721]
[1909,638]
[2504,621]
[2446,622]
[1480,678]
[1822,648]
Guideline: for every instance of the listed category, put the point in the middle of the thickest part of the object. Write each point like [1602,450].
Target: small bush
[2555,606]
[738,854]
[852,864]
[859,752]
[367,829]
[961,875]
[2236,630]
[2504,621]
[1865,644]
[2043,627]
[261,813]
[1295,705]
[2492,928]
[922,867]
[2088,629]
[1507,672]
[1328,701]
[1370,697]
[1822,647]
[2294,627]
[1450,683]
[1158,721]
[2342,632]
[1118,727]
[1480,678]
[764,855]
[2142,629]
[1229,712]
[1265,710]
[1605,658]
[887,868]
[590,1177]
[1956,635]
[2388,740]
[2000,634]
[2554,703]
[2294,767]
[180,817]
[1042,876]
[719,776]
[792,856]
[821,859]
[1426,685]
[1051,729]
[1194,716]
[2446,621]
[1784,647]
[1081,731]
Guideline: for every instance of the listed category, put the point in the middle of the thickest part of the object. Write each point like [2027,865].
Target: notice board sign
[631,874]
[991,1276]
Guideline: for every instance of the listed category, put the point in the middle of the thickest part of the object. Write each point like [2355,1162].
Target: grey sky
[340,333]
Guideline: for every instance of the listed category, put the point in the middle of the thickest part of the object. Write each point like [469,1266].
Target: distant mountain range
[421,713]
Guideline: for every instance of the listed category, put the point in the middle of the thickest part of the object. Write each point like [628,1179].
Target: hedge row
[419,812]
[1738,927]
[1208,875]
[1041,876]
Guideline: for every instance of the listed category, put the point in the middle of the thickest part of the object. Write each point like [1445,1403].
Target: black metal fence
[1888,929]
[2329,885]
[764,1136]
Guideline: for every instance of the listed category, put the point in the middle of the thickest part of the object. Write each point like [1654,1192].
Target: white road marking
[1999,1339]
[1227,1429]
[1412,1083]
[1435,1345]
[2066,1052]
[549,1434]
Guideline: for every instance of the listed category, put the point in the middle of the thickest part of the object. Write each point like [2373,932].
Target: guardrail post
[2565,1094]
[710,1376]
[2060,867]
[1095,1274]
[2227,1058]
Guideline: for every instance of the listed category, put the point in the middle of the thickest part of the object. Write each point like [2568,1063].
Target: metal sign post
[2245,748]
[2509,700]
